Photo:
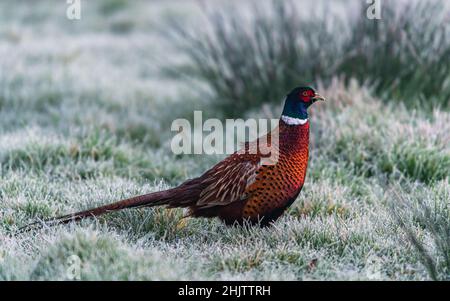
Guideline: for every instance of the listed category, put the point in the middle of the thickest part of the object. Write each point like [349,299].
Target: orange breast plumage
[276,186]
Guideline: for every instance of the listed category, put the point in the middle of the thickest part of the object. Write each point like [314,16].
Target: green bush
[402,57]
[244,67]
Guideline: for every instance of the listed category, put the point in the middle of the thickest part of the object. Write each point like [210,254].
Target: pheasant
[240,188]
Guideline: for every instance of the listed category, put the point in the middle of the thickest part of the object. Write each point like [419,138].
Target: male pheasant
[240,188]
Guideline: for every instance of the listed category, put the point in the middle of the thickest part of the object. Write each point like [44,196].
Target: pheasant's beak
[318,97]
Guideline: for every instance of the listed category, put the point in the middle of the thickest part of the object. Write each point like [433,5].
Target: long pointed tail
[148,200]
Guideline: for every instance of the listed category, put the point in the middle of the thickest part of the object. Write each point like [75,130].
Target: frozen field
[85,114]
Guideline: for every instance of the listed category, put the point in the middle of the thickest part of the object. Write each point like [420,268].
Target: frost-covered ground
[85,114]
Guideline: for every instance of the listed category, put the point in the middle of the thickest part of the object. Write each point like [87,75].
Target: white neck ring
[293,121]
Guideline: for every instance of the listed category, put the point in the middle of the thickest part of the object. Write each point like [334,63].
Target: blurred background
[85,113]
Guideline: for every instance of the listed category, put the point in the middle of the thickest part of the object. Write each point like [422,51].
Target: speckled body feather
[263,191]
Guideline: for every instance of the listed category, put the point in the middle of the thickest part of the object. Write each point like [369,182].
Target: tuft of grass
[90,255]
[245,67]
[401,56]
[418,162]
[239,264]
[426,223]
[163,224]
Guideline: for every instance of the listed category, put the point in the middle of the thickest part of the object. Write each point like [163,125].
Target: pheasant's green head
[297,103]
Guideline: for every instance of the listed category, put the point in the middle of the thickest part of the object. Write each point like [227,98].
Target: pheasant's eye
[306,95]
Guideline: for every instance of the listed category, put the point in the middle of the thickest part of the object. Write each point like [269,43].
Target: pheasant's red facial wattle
[306,96]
